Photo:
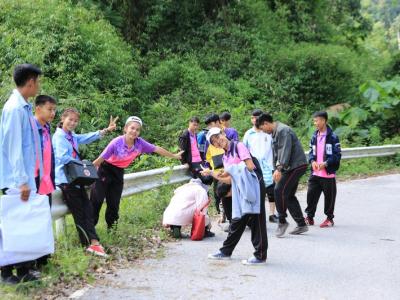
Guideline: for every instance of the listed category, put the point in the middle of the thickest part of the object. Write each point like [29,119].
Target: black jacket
[185,145]
[332,151]
[288,152]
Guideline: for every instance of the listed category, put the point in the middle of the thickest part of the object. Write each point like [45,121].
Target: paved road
[357,259]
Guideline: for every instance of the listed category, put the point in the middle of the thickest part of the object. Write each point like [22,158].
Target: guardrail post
[60,226]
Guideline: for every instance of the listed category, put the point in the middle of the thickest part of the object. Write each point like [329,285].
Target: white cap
[211,132]
[134,119]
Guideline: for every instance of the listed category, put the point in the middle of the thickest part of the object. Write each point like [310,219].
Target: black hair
[43,99]
[321,114]
[66,113]
[257,112]
[223,189]
[207,180]
[194,119]
[211,118]
[225,116]
[25,72]
[264,117]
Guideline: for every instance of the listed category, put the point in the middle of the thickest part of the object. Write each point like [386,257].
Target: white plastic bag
[26,226]
[10,258]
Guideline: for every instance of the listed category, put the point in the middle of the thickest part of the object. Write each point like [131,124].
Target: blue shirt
[63,149]
[17,139]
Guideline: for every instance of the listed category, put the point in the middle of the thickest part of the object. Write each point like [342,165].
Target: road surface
[359,258]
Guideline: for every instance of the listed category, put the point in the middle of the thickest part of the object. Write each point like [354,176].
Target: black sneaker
[36,273]
[273,219]
[176,232]
[27,277]
[10,280]
[208,234]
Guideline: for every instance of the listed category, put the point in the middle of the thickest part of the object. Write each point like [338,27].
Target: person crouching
[186,200]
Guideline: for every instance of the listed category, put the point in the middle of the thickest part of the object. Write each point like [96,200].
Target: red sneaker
[309,221]
[327,223]
[96,250]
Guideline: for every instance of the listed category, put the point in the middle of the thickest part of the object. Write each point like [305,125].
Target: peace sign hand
[113,124]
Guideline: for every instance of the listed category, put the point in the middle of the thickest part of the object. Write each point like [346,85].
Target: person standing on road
[65,142]
[259,144]
[191,155]
[248,194]
[116,157]
[211,120]
[290,164]
[20,151]
[230,132]
[213,157]
[324,157]
[45,111]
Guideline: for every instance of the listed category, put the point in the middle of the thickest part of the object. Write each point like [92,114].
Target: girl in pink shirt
[116,157]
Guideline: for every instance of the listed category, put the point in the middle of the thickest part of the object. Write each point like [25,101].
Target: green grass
[363,167]
[139,234]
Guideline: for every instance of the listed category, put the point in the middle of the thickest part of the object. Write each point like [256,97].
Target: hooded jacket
[332,151]
[245,191]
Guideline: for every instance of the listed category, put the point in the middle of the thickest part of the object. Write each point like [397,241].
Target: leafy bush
[217,56]
[376,117]
[86,64]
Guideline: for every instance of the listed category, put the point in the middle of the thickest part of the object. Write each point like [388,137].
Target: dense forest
[166,60]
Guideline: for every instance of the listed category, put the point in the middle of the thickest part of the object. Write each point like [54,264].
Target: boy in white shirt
[259,144]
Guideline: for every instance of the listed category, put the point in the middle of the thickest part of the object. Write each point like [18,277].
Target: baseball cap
[211,132]
[134,119]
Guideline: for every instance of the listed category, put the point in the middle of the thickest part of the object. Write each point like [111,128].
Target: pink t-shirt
[195,151]
[232,157]
[120,155]
[46,184]
[321,139]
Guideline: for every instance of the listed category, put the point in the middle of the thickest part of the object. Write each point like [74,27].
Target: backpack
[257,170]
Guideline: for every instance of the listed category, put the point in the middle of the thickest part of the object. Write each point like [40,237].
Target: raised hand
[113,124]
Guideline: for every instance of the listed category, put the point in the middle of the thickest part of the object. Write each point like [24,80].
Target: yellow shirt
[213,151]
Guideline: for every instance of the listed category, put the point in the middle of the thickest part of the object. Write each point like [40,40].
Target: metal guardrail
[373,151]
[135,183]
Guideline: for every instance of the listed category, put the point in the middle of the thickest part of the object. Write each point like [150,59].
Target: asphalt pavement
[359,258]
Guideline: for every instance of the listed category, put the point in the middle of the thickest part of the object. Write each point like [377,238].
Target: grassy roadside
[138,235]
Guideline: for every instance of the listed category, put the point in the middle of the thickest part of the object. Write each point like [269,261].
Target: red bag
[199,224]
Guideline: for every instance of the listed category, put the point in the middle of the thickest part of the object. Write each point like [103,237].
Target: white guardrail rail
[135,183]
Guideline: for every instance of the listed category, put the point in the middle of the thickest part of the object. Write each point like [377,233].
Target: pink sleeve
[243,152]
[109,150]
